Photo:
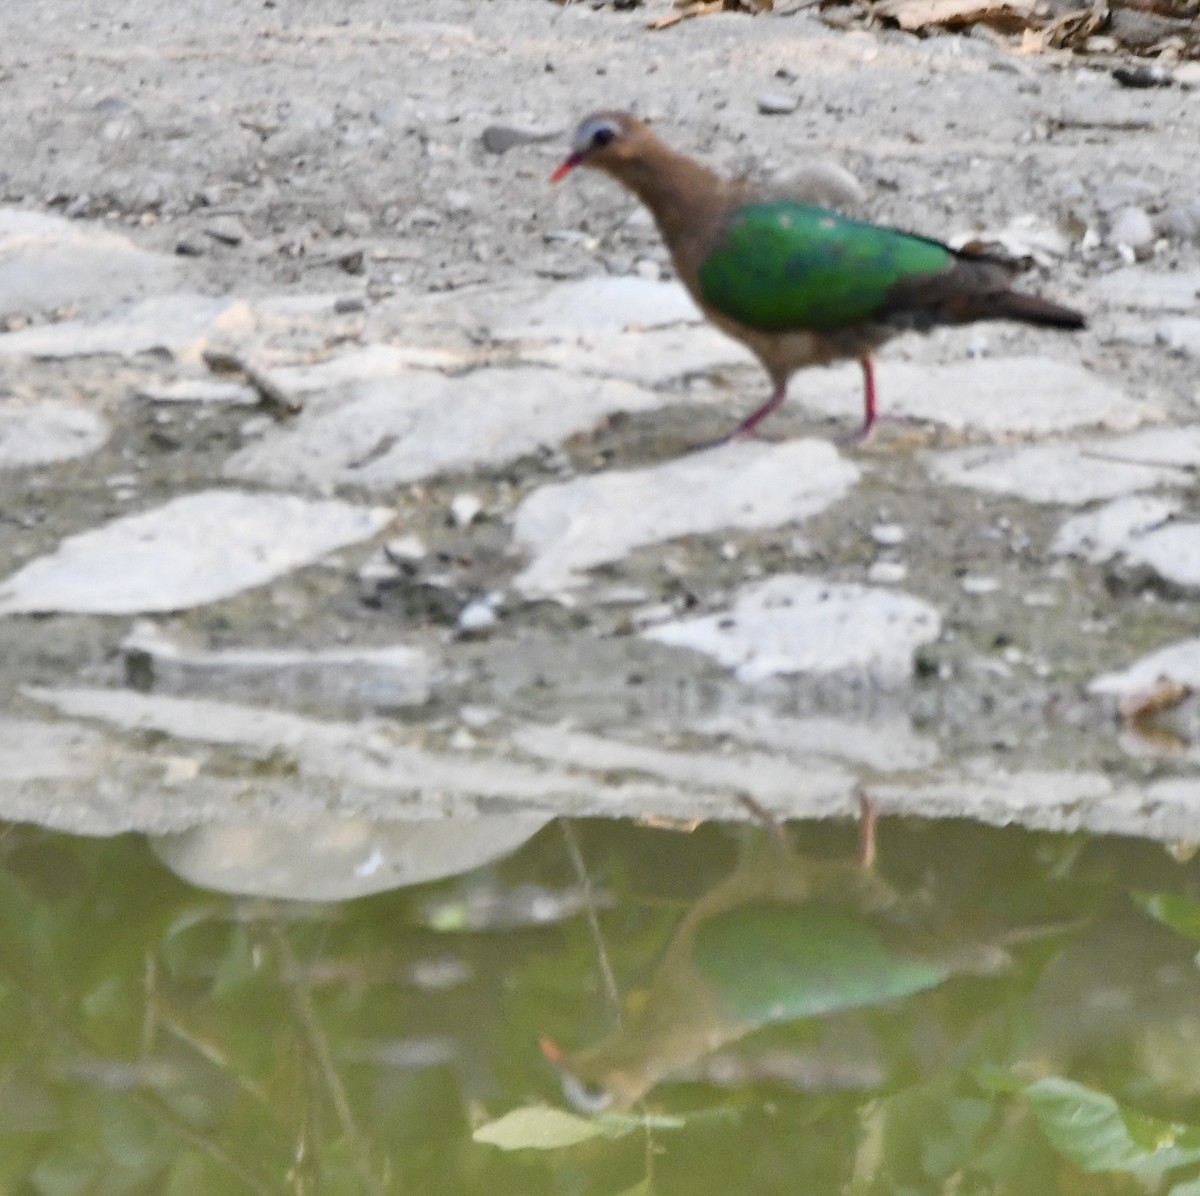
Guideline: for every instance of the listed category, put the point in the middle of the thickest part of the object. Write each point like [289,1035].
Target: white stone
[1032,395]
[794,624]
[1150,290]
[465,508]
[47,431]
[180,325]
[978,586]
[887,573]
[1175,662]
[421,423]
[1172,551]
[1071,474]
[651,357]
[195,549]
[883,743]
[363,365]
[1110,530]
[477,615]
[201,390]
[769,779]
[1181,335]
[47,262]
[393,676]
[598,304]
[1132,226]
[573,526]
[888,535]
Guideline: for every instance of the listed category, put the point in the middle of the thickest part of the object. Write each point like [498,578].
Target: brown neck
[685,199]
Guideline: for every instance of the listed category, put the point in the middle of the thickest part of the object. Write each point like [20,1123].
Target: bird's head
[589,1081]
[604,140]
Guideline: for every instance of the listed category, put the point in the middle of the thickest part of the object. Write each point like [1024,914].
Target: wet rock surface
[346,469]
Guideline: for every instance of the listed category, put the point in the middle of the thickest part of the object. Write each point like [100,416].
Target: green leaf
[537,1127]
[1189,1187]
[1181,914]
[1095,1133]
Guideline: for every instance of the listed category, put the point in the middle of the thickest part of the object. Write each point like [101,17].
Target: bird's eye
[603,136]
[586,1097]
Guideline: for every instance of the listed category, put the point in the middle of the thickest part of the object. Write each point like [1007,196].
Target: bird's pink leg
[751,422]
[749,425]
[868,369]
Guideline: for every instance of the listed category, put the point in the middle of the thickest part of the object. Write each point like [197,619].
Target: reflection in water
[784,937]
[160,1039]
[334,859]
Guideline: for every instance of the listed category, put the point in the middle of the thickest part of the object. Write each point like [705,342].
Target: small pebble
[645,268]
[1182,223]
[477,615]
[465,508]
[980,585]
[191,245]
[228,230]
[1151,74]
[887,573]
[887,535]
[406,548]
[256,426]
[377,567]
[349,304]
[776,103]
[1133,227]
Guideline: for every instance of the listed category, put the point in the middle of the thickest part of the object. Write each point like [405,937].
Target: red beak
[565,167]
[550,1048]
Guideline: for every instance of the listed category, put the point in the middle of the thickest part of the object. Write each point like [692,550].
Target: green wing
[784,265]
[769,963]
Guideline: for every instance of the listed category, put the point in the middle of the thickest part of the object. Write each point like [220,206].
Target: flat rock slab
[1180,335]
[651,357]
[1172,551]
[574,526]
[364,365]
[178,325]
[195,549]
[598,304]
[879,742]
[421,423]
[47,262]
[794,624]
[332,678]
[44,432]
[206,768]
[1114,528]
[1150,290]
[1070,474]
[1027,395]
[1175,662]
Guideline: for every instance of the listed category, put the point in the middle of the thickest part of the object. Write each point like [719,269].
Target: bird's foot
[739,435]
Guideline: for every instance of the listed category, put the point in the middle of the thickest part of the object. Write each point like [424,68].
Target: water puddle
[598,1007]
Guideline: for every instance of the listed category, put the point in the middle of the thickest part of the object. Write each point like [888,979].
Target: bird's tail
[1030,309]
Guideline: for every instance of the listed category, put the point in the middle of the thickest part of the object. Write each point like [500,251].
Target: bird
[782,937]
[798,284]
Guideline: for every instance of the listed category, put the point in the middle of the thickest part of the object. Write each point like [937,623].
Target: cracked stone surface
[380,507]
